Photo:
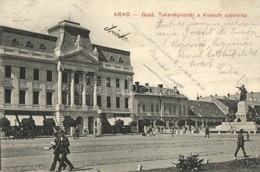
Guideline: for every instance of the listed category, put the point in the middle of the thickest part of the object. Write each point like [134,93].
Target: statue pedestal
[242,109]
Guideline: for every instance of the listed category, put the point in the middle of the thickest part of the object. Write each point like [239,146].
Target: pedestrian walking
[240,143]
[64,150]
[207,132]
[54,146]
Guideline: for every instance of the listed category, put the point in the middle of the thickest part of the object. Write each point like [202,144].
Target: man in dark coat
[207,132]
[240,143]
[64,150]
[56,152]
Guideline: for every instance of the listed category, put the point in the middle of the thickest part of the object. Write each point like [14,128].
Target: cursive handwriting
[115,31]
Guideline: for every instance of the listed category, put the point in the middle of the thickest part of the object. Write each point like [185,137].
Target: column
[59,69]
[95,91]
[99,126]
[72,87]
[84,89]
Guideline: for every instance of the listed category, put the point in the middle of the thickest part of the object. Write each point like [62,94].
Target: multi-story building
[158,103]
[63,74]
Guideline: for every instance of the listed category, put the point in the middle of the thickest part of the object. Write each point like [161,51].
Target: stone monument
[241,116]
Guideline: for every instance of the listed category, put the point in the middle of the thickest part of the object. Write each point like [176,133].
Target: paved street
[123,152]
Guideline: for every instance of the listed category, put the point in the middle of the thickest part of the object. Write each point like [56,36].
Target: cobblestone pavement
[123,152]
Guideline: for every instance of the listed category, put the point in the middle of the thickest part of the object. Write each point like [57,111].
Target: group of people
[60,147]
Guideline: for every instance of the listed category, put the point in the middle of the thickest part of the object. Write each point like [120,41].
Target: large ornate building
[63,74]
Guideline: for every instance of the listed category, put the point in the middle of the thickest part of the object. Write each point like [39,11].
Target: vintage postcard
[128,85]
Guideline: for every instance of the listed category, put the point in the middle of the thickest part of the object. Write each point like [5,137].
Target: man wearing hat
[240,143]
[54,146]
[64,150]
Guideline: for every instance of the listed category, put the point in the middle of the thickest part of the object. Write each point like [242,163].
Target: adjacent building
[158,103]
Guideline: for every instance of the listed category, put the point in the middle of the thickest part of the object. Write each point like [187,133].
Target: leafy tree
[119,124]
[171,124]
[181,122]
[69,122]
[28,123]
[50,123]
[159,122]
[199,123]
[190,122]
[4,124]
[230,117]
[133,124]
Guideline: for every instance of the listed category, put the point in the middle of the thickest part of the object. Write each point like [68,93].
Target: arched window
[42,46]
[111,58]
[29,44]
[120,60]
[15,42]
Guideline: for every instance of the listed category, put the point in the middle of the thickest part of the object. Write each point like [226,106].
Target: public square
[124,152]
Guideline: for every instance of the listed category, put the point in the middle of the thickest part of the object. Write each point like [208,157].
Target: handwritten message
[181,46]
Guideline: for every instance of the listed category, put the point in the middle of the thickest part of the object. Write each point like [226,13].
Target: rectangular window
[108,82]
[99,101]
[22,72]
[170,109]
[76,78]
[77,98]
[152,110]
[157,108]
[126,103]
[64,77]
[98,80]
[117,102]
[49,98]
[36,97]
[8,71]
[174,110]
[36,74]
[8,95]
[108,102]
[126,84]
[143,108]
[117,83]
[139,108]
[165,109]
[49,75]
[22,97]
[65,98]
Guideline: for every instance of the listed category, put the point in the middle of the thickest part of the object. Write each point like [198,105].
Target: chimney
[160,88]
[147,84]
[228,96]
[137,86]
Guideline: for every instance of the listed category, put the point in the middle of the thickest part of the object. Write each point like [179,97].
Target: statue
[243,93]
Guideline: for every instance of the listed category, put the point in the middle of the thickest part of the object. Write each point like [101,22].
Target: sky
[191,51]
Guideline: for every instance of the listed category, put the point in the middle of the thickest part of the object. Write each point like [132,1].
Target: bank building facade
[63,75]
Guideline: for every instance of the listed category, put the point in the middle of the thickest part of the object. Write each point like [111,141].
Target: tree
[49,123]
[199,123]
[133,124]
[159,122]
[4,124]
[69,122]
[181,122]
[28,123]
[119,124]
[230,117]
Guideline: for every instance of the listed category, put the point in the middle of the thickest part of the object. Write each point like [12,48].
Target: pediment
[81,57]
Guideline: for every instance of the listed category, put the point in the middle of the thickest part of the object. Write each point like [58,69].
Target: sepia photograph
[129,85]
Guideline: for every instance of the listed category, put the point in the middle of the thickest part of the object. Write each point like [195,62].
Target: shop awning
[21,117]
[12,119]
[111,120]
[127,120]
[38,120]
[49,116]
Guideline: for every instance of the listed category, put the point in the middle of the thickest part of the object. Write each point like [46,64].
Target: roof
[229,103]
[205,109]
[112,55]
[155,91]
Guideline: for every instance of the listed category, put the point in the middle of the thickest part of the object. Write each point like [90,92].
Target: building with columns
[158,103]
[63,75]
